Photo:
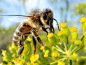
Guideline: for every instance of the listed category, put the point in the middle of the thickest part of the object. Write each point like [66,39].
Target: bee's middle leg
[22,44]
[36,35]
[34,43]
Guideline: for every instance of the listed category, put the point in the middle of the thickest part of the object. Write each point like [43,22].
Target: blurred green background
[69,11]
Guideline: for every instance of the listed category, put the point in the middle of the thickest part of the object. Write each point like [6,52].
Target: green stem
[82,38]
[74,49]
[61,44]
[57,61]
[71,47]
[58,48]
[65,46]
[79,48]
[70,62]
[67,43]
[62,55]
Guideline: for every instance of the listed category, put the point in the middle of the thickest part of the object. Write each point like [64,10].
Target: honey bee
[37,20]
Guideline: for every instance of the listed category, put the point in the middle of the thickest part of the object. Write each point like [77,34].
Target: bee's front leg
[45,30]
[22,44]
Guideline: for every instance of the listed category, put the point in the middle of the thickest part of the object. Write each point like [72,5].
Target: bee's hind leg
[34,43]
[22,44]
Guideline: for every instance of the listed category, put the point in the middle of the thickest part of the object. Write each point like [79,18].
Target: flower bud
[78,42]
[80,61]
[83,23]
[53,38]
[74,33]
[73,56]
[61,36]
[47,51]
[55,55]
[85,40]
[64,29]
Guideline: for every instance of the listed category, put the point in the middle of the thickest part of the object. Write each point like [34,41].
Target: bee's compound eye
[44,16]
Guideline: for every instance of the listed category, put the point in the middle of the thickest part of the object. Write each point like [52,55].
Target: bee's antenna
[57,23]
[17,15]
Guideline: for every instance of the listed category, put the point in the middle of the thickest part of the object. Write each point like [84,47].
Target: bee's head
[47,19]
[46,16]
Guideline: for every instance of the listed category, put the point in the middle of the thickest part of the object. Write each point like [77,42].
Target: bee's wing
[17,19]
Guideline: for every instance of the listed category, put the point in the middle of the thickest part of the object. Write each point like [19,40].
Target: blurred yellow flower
[63,24]
[84,32]
[74,54]
[73,29]
[13,55]
[72,40]
[85,48]
[34,58]
[46,53]
[55,54]
[9,63]
[59,33]
[4,58]
[3,52]
[83,19]
[42,47]
[61,63]
[50,35]
[52,48]
[29,39]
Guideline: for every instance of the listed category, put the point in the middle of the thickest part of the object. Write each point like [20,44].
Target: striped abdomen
[22,28]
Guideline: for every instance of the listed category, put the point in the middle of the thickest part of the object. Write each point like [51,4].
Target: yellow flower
[55,54]
[29,63]
[52,48]
[61,63]
[85,33]
[3,52]
[4,58]
[34,58]
[9,63]
[23,61]
[42,47]
[73,29]
[61,36]
[29,39]
[72,40]
[74,33]
[73,56]
[63,24]
[50,35]
[85,48]
[83,19]
[59,33]
[16,60]
[13,55]
[46,53]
